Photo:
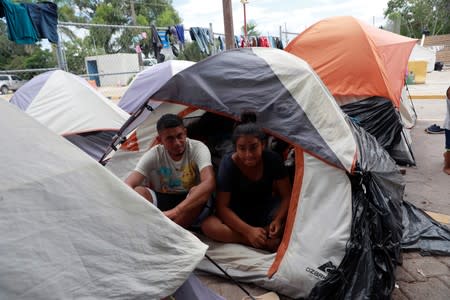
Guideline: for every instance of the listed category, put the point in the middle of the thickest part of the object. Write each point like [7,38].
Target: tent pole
[229,276]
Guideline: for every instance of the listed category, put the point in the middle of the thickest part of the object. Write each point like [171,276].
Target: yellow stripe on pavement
[428,97]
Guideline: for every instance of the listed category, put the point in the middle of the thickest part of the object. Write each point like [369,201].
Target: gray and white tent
[147,82]
[294,106]
[69,106]
[72,230]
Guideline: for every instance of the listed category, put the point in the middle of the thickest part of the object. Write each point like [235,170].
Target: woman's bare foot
[272,244]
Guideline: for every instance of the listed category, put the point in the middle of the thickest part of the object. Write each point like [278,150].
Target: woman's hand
[275,228]
[257,237]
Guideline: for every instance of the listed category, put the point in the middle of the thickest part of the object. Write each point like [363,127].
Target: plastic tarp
[383,226]
[373,251]
[379,117]
[422,233]
[73,230]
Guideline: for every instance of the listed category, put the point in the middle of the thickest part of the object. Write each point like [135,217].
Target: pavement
[436,83]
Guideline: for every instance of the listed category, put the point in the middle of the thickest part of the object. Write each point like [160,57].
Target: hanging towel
[180,32]
[44,16]
[20,26]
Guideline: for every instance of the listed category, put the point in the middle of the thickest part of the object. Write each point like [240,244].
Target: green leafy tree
[251,29]
[19,57]
[418,16]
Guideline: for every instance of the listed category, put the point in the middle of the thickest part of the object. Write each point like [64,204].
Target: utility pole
[133,12]
[244,2]
[228,23]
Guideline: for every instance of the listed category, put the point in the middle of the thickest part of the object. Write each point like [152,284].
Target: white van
[10,83]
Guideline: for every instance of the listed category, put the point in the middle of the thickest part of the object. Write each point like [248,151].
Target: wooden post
[228,24]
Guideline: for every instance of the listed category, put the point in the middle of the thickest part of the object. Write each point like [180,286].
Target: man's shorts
[168,201]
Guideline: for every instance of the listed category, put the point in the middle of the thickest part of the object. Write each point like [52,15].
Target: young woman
[447,135]
[253,192]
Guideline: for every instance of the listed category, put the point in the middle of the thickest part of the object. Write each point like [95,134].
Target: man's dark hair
[169,121]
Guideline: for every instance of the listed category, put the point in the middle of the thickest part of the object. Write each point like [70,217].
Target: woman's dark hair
[248,126]
[168,121]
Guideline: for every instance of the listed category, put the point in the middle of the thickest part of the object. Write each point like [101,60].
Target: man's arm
[198,195]
[134,179]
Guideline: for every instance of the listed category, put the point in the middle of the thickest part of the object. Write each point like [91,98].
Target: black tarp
[367,270]
[383,225]
[379,117]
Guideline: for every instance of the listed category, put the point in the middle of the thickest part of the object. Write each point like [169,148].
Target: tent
[70,107]
[323,236]
[355,59]
[364,68]
[147,82]
[72,230]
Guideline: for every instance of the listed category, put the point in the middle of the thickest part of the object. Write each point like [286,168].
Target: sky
[293,16]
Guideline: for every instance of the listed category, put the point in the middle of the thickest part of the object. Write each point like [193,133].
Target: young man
[179,173]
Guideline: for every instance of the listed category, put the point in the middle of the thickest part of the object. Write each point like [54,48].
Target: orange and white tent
[354,59]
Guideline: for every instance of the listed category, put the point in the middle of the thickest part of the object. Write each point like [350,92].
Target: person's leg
[446,168]
[186,220]
[447,139]
[215,229]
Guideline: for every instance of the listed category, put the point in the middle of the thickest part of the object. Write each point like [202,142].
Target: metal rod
[229,276]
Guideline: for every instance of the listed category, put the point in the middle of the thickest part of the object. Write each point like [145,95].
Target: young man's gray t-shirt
[174,177]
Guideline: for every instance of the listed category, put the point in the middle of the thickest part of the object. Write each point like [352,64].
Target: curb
[434,97]
[441,218]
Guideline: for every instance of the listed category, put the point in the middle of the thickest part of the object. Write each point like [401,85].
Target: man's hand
[173,213]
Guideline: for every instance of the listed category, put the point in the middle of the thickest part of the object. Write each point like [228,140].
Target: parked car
[10,83]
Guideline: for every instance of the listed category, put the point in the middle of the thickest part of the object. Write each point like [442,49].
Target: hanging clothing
[44,16]
[263,41]
[20,26]
[279,43]
[180,32]
[221,43]
[272,42]
[157,44]
[237,43]
[202,38]
[172,35]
